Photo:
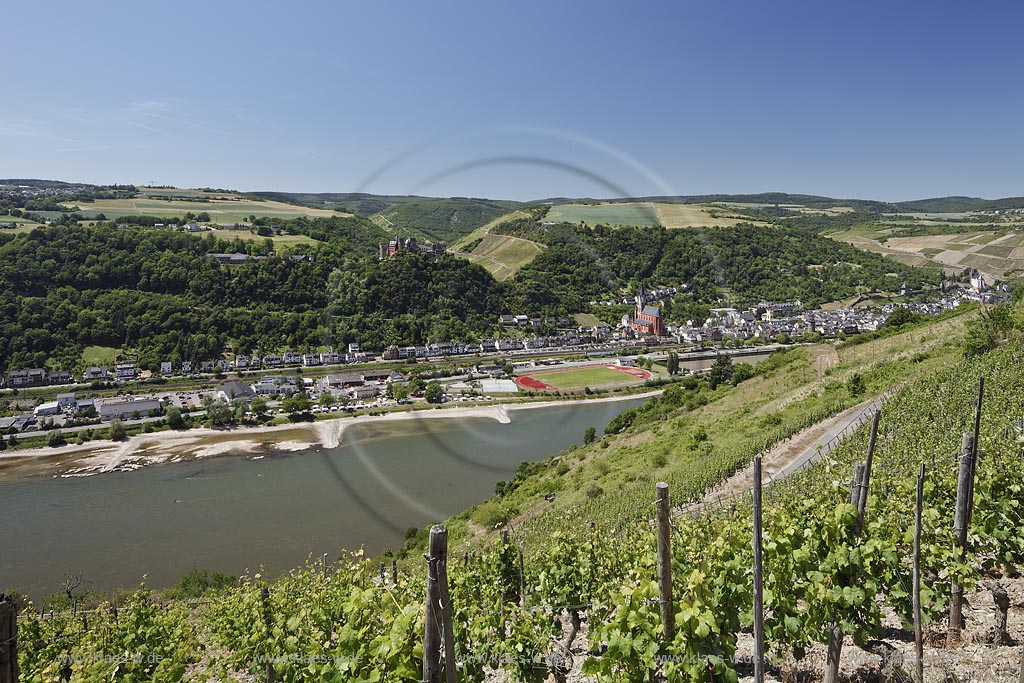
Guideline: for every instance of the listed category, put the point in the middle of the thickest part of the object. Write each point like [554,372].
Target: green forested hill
[960,204]
[742,264]
[157,292]
[434,218]
[444,219]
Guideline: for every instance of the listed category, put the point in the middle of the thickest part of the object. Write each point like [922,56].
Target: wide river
[230,514]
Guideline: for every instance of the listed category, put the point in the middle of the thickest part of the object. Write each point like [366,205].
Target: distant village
[767,321]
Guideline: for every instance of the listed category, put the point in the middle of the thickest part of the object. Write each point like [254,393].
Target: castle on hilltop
[646,319]
[398,244]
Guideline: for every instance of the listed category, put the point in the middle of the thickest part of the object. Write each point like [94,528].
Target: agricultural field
[800,208]
[995,254]
[223,208]
[280,241]
[11,225]
[698,216]
[651,214]
[503,255]
[578,378]
[618,213]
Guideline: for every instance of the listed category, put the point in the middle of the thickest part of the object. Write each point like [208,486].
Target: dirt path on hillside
[790,454]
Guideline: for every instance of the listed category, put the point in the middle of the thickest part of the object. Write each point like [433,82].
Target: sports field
[578,378]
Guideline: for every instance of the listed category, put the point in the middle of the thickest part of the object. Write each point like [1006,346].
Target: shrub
[117,430]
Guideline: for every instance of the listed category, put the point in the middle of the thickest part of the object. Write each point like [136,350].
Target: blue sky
[886,100]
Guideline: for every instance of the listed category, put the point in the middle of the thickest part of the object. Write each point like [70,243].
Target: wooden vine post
[8,640]
[439,615]
[758,579]
[964,495]
[974,447]
[268,623]
[858,498]
[862,501]
[668,616]
[918,629]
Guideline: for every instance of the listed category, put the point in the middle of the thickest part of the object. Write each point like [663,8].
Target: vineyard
[595,575]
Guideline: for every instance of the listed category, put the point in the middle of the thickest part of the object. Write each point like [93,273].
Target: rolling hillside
[444,219]
[433,218]
[502,255]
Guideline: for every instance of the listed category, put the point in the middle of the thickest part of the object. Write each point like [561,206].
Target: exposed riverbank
[100,456]
[269,513]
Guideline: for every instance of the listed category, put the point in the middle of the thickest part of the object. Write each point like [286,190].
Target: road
[831,437]
[795,453]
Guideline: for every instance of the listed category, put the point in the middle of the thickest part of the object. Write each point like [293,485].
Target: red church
[647,319]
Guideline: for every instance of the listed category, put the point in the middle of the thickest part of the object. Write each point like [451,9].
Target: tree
[299,403]
[673,363]
[55,439]
[399,392]
[589,436]
[721,371]
[218,413]
[416,386]
[433,393]
[259,405]
[740,372]
[239,407]
[855,385]
[508,369]
[117,430]
[174,418]
[327,400]
[901,316]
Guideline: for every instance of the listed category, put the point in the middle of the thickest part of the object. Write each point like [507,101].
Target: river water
[230,514]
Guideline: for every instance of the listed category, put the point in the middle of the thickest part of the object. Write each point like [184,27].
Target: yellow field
[698,216]
[223,208]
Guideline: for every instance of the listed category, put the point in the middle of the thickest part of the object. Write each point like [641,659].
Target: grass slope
[503,255]
[713,432]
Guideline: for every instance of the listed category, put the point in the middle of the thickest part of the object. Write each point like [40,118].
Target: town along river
[231,513]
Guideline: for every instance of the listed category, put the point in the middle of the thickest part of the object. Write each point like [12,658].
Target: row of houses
[35,377]
[768,320]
